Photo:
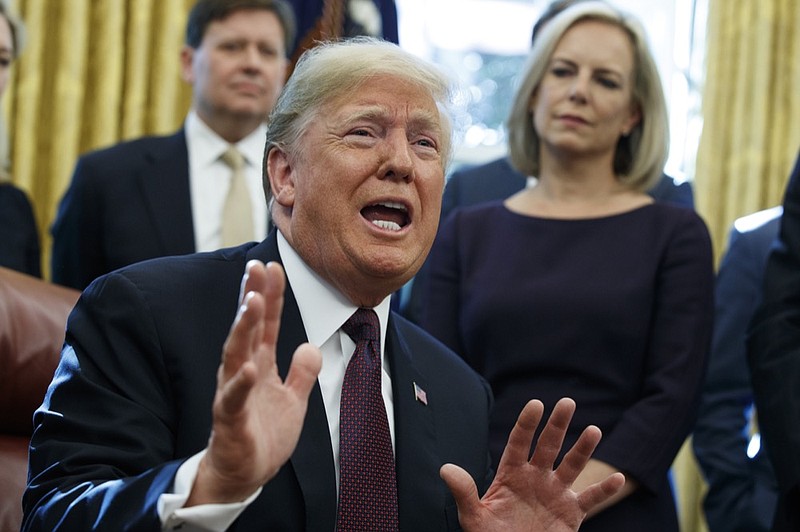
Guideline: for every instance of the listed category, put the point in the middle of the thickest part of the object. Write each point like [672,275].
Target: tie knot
[233,158]
[363,325]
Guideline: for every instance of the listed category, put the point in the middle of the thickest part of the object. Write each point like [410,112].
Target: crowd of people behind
[572,267]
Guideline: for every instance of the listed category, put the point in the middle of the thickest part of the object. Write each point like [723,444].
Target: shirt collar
[322,308]
[211,146]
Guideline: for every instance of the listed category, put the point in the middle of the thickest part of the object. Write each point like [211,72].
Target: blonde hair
[640,156]
[332,69]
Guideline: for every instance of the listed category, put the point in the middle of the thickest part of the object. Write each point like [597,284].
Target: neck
[231,128]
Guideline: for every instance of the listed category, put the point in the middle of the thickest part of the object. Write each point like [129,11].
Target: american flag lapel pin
[420,395]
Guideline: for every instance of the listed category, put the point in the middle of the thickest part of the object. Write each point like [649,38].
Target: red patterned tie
[367,484]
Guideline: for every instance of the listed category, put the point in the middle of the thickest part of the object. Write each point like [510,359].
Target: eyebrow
[419,120]
[602,70]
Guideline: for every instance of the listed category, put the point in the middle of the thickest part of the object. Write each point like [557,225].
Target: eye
[609,83]
[560,72]
[267,51]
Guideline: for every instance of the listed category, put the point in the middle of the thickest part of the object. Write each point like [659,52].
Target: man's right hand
[257,417]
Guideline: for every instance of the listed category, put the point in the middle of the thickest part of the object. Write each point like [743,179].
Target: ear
[634,119]
[187,63]
[281,177]
[533,100]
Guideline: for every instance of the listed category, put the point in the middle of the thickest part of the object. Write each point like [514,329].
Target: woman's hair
[640,156]
[17,30]
[333,69]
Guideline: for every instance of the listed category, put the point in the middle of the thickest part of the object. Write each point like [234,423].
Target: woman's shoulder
[11,194]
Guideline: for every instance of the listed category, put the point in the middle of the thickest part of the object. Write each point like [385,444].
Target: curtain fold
[91,73]
[751,106]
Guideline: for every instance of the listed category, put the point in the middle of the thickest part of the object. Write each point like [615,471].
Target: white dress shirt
[323,311]
[210,179]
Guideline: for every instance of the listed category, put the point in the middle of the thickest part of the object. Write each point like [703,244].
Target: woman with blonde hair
[19,237]
[581,285]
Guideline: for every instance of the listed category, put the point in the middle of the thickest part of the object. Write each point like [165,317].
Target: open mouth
[388,215]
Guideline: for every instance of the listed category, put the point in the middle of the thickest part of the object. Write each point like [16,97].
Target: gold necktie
[237,212]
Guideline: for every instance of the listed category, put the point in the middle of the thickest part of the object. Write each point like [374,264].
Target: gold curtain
[750,140]
[91,73]
[751,110]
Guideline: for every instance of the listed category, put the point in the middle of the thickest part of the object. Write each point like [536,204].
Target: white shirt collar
[322,308]
[210,146]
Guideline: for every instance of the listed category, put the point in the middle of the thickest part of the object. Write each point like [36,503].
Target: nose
[398,157]
[578,91]
[252,57]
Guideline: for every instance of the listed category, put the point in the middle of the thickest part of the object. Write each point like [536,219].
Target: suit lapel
[312,460]
[164,181]
[421,493]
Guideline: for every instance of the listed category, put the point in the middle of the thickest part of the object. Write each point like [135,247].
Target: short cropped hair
[332,69]
[205,12]
[640,156]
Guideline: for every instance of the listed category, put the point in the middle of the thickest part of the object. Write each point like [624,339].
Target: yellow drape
[751,109]
[750,140]
[91,73]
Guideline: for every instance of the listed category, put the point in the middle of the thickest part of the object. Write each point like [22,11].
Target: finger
[272,286]
[463,488]
[236,390]
[552,437]
[519,441]
[303,372]
[243,335]
[600,492]
[578,456]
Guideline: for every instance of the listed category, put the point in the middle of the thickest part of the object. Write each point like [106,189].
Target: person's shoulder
[672,214]
[765,221]
[431,355]
[136,147]
[494,172]
[10,193]
[193,272]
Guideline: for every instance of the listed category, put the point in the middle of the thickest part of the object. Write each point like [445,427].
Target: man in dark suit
[163,414]
[773,350]
[158,196]
[741,484]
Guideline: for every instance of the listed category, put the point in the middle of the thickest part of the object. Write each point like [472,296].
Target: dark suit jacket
[19,237]
[774,356]
[131,400]
[742,492]
[497,180]
[126,203]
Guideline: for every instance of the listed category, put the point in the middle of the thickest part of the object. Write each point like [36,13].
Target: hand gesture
[257,418]
[530,494]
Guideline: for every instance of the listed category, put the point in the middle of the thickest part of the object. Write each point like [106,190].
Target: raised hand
[257,417]
[530,494]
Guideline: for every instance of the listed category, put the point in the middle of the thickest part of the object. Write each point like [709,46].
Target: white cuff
[213,517]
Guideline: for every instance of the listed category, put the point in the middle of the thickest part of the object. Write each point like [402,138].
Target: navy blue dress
[615,312]
[19,238]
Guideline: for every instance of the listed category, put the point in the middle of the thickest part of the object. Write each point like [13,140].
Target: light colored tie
[237,212]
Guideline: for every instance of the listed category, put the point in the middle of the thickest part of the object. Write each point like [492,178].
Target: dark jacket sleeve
[104,442]
[741,494]
[774,356]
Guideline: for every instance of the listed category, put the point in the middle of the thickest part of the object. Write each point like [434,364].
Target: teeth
[393,205]
[384,224]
